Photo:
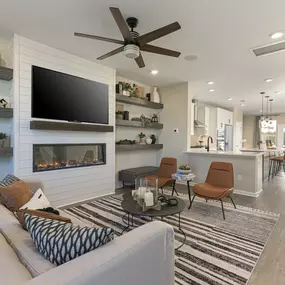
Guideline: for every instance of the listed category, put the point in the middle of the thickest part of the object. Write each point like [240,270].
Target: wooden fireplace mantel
[62,126]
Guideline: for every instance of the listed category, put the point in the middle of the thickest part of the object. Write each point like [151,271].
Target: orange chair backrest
[221,174]
[168,166]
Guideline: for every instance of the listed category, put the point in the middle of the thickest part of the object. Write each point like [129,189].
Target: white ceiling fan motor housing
[131,51]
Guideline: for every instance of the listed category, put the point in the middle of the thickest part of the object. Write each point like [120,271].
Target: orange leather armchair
[218,185]
[168,166]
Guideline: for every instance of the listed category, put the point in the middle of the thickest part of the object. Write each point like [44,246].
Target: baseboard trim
[246,193]
[62,207]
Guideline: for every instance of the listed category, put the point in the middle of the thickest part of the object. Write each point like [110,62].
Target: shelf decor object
[61,126]
[124,147]
[6,73]
[6,151]
[6,113]
[138,102]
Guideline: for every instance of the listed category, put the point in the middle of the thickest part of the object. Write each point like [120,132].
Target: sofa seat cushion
[22,244]
[12,272]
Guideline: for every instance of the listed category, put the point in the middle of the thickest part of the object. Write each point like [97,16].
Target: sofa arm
[142,256]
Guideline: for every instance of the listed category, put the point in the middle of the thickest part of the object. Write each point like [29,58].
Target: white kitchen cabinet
[224,117]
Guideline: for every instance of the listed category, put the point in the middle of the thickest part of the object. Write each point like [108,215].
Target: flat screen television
[59,96]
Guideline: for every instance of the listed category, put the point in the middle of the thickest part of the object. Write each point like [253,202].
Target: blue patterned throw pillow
[8,180]
[60,242]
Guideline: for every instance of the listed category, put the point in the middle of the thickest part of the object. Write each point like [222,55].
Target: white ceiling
[220,32]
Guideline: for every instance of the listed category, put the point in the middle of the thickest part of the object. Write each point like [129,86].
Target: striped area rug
[216,251]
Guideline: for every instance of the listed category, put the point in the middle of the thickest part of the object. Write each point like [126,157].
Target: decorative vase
[142,140]
[148,140]
[126,93]
[153,139]
[155,95]
[119,116]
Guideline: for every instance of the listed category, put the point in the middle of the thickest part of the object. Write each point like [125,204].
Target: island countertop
[252,154]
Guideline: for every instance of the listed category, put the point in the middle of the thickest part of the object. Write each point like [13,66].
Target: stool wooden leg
[270,169]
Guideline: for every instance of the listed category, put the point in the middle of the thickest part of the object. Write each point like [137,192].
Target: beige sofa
[142,256]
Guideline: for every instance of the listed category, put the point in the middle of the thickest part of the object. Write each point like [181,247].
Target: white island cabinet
[247,168]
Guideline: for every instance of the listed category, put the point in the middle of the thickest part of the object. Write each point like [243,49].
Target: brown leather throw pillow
[46,215]
[16,195]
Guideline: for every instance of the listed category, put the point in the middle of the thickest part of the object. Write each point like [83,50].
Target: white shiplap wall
[62,186]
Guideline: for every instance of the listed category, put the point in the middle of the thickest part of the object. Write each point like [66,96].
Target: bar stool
[276,164]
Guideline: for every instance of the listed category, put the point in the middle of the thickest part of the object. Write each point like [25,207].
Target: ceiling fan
[133,43]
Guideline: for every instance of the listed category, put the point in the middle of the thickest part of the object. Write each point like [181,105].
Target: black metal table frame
[188,188]
[130,222]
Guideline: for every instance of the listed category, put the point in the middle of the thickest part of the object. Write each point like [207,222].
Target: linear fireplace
[48,157]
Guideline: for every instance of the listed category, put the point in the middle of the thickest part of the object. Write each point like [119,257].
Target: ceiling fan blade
[156,34]
[139,61]
[113,52]
[99,38]
[159,50]
[122,24]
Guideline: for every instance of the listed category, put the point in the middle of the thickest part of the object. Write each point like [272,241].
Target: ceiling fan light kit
[131,51]
[133,43]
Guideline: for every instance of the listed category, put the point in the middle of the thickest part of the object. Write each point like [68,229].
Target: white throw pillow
[38,201]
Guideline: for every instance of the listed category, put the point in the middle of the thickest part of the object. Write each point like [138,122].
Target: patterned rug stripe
[216,251]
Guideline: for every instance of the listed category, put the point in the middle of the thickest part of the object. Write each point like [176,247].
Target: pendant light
[270,122]
[267,110]
[262,114]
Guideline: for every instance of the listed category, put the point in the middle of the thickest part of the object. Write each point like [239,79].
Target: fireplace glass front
[64,156]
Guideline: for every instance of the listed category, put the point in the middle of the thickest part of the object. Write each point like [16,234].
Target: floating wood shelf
[138,102]
[6,151]
[79,127]
[137,124]
[138,146]
[6,113]
[6,73]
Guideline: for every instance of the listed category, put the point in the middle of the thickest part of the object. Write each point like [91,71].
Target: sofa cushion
[16,195]
[46,215]
[61,242]
[22,244]
[12,272]
[38,201]
[9,179]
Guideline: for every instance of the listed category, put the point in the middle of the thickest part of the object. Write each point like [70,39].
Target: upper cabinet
[224,117]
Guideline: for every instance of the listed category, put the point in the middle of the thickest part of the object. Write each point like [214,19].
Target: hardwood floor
[271,266]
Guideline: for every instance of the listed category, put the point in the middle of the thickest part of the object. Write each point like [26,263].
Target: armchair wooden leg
[222,204]
[191,203]
[233,201]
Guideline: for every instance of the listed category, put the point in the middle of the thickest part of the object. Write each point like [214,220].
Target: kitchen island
[248,172]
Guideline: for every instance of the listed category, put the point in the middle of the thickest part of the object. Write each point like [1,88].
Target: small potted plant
[127,88]
[184,169]
[142,137]
[119,115]
[3,137]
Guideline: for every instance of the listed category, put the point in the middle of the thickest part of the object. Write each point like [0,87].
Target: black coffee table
[131,207]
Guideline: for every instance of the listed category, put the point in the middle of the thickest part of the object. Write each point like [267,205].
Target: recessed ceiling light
[268,80]
[260,111]
[211,90]
[230,99]
[276,35]
[154,72]
[278,92]
[242,105]
[191,57]
[210,82]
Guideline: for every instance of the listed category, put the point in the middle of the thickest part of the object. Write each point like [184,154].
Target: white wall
[6,125]
[249,127]
[61,186]
[137,158]
[176,115]
[237,128]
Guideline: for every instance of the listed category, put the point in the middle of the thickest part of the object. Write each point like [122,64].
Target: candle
[141,192]
[148,199]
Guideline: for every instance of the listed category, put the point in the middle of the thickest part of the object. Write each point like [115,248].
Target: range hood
[197,123]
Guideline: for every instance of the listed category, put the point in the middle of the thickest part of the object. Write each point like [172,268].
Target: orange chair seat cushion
[210,191]
[162,181]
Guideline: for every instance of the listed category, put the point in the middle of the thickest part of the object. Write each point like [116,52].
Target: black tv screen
[60,96]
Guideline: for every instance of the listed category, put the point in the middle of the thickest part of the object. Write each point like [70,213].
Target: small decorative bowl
[184,171]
